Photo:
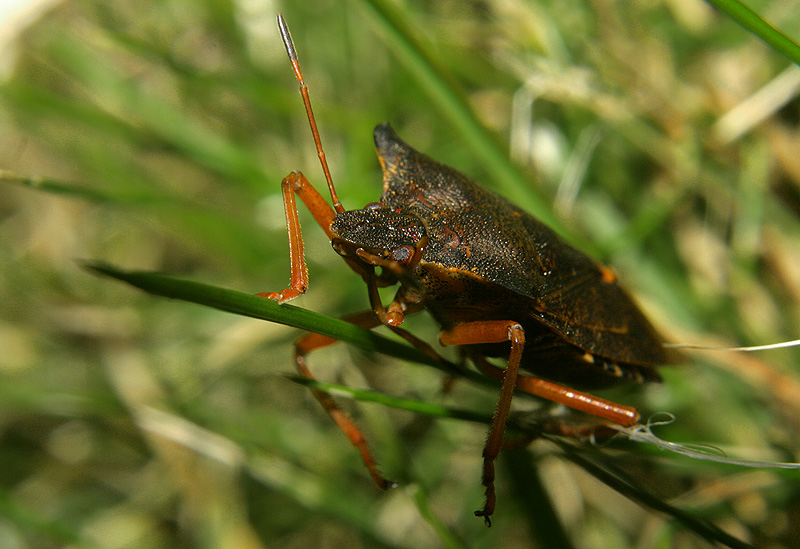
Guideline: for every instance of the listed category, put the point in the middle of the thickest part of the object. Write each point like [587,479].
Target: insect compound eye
[403,254]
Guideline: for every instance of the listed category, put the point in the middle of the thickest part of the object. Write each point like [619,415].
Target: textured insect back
[479,232]
[501,283]
[498,281]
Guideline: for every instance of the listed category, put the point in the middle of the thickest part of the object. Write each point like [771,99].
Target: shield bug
[499,282]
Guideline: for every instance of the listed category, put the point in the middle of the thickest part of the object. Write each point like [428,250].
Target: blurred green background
[660,137]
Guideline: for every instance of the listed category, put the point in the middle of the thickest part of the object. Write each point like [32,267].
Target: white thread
[644,434]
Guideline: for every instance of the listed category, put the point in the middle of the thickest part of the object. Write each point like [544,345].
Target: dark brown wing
[475,230]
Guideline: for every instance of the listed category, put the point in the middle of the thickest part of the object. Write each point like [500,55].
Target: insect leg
[623,415]
[452,369]
[296,183]
[399,307]
[494,331]
[310,342]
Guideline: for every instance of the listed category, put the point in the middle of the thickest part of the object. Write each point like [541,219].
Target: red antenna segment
[290,50]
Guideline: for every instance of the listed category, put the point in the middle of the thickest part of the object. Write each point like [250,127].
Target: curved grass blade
[751,21]
[245,304]
[521,469]
[76,190]
[220,232]
[411,405]
[614,479]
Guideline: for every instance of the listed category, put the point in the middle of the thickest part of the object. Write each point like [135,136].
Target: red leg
[310,342]
[494,331]
[296,183]
[623,415]
[394,315]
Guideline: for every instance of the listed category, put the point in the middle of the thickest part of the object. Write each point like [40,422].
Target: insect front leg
[493,331]
[297,184]
[392,316]
[311,342]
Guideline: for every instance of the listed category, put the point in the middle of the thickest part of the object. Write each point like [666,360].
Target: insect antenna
[290,50]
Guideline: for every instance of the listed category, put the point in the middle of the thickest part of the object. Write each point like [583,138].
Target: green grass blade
[541,515]
[638,494]
[411,405]
[76,190]
[150,116]
[245,304]
[447,538]
[217,232]
[751,21]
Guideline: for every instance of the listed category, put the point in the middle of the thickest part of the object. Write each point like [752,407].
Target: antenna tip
[286,37]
